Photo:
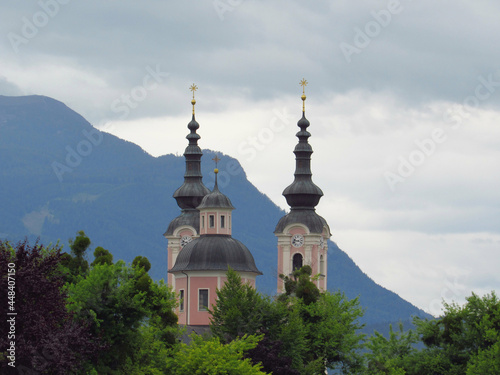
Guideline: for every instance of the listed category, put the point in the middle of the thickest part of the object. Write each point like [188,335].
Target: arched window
[297,261]
[321,265]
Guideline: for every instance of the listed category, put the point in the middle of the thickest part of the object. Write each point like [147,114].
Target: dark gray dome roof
[192,191]
[187,217]
[215,252]
[303,193]
[309,218]
[215,199]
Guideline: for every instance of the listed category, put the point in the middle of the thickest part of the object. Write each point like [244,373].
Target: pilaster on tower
[302,234]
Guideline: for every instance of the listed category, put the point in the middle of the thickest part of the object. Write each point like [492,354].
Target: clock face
[297,240]
[185,240]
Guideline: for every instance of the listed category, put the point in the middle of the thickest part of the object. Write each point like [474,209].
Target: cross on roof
[193,88]
[303,83]
[217,160]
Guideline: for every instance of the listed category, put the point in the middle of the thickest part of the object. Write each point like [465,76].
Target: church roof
[215,199]
[215,252]
[187,217]
[302,193]
[192,191]
[309,218]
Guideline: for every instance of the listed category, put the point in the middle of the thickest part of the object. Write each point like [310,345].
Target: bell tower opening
[297,261]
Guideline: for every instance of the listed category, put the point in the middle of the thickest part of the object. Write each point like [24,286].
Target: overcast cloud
[403,99]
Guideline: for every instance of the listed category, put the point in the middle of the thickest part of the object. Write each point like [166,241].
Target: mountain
[60,175]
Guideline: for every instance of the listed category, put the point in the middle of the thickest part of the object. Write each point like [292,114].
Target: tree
[269,353]
[123,309]
[465,336]
[301,285]
[74,265]
[140,261]
[328,325]
[102,256]
[305,330]
[465,340]
[47,337]
[331,324]
[238,310]
[485,362]
[211,357]
[387,356]
[78,248]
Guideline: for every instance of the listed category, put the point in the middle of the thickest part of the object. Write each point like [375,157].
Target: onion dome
[303,193]
[190,194]
[215,252]
[187,217]
[309,218]
[215,199]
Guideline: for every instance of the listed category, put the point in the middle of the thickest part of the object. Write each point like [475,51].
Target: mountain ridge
[67,176]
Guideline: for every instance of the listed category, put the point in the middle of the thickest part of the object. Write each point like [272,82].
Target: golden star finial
[193,88]
[303,83]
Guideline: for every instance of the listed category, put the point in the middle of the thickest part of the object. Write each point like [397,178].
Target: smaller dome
[215,199]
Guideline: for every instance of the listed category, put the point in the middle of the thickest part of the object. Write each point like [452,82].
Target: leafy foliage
[301,285]
[306,331]
[102,256]
[211,357]
[465,340]
[47,337]
[386,356]
[120,305]
[238,310]
[75,264]
[140,261]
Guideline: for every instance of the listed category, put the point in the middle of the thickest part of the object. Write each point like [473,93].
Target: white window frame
[181,299]
[208,299]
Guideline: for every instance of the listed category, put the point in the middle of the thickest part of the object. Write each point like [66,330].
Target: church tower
[185,227]
[200,244]
[302,234]
[201,266]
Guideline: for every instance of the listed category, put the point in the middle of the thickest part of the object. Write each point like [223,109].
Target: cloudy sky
[403,100]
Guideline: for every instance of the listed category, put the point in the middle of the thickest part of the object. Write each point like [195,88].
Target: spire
[190,194]
[303,83]
[215,199]
[193,88]
[303,193]
[216,171]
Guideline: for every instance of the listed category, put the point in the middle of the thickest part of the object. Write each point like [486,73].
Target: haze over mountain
[60,175]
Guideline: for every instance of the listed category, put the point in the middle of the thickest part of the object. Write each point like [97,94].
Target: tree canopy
[305,330]
[464,340]
[47,337]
